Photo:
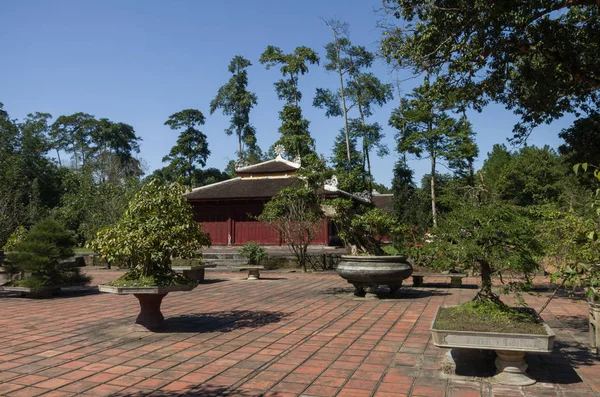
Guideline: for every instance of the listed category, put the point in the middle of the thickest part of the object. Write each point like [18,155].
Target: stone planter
[194,272]
[509,347]
[42,292]
[150,317]
[366,273]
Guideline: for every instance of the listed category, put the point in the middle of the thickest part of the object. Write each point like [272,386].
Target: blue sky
[140,61]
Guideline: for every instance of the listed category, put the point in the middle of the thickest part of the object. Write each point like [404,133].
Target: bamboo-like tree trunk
[433,203]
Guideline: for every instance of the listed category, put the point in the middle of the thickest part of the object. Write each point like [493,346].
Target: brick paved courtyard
[288,334]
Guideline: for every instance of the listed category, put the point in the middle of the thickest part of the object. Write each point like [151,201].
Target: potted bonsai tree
[253,252]
[157,226]
[494,239]
[361,228]
[41,257]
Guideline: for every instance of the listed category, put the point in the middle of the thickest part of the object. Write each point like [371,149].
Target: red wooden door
[213,219]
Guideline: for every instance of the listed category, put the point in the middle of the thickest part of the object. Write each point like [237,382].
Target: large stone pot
[366,273]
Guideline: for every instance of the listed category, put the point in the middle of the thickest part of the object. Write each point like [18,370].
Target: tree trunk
[471,174]
[433,203]
[485,293]
[367,159]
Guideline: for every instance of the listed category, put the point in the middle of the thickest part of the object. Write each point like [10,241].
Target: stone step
[221,256]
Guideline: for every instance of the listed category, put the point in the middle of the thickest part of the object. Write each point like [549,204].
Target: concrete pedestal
[150,317]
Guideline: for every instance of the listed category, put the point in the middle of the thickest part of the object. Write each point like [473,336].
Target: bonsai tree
[361,227]
[491,237]
[296,214]
[253,252]
[157,226]
[41,256]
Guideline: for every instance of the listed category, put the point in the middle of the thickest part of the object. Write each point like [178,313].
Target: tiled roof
[240,188]
[275,166]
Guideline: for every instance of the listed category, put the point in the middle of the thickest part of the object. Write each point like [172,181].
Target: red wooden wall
[233,223]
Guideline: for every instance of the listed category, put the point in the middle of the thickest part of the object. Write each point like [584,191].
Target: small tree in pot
[494,239]
[41,256]
[253,252]
[157,226]
[362,228]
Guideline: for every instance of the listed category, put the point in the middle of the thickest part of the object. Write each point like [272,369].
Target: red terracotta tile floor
[287,334]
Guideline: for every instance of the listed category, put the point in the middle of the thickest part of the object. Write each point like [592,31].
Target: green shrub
[157,226]
[253,252]
[42,255]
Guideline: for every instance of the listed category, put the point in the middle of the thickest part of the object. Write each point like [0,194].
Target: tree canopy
[236,101]
[538,58]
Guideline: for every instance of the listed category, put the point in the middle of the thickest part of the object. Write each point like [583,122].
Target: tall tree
[337,60]
[367,91]
[427,130]
[115,145]
[236,101]
[191,148]
[405,205]
[74,134]
[463,152]
[358,89]
[295,136]
[538,58]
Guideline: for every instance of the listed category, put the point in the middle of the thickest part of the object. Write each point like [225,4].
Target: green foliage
[10,268]
[292,66]
[41,256]
[15,238]
[407,207]
[426,130]
[295,136]
[296,214]
[203,177]
[131,279]
[410,240]
[531,176]
[191,148]
[571,240]
[92,141]
[350,179]
[253,252]
[582,145]
[88,205]
[361,227]
[537,58]
[157,226]
[29,180]
[489,236]
[236,101]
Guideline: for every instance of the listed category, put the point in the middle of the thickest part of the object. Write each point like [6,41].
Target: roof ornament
[363,195]
[241,163]
[279,150]
[297,160]
[333,182]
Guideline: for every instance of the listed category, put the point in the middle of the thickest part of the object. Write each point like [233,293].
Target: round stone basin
[366,273]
